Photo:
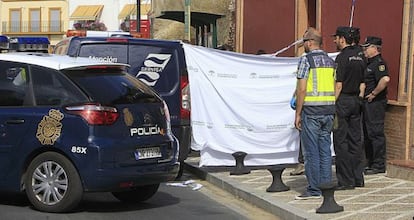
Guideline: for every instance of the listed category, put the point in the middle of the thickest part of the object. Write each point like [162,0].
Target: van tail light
[185,98]
[167,118]
[95,114]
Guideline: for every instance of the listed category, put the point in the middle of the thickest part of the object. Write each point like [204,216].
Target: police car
[73,125]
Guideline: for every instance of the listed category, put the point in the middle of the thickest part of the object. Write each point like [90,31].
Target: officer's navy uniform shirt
[350,69]
[376,69]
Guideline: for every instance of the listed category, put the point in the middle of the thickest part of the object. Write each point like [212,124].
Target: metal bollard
[277,183]
[329,204]
[240,169]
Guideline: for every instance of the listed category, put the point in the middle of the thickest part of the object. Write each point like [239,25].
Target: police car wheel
[137,194]
[52,183]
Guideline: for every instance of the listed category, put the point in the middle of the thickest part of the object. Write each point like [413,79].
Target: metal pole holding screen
[352,13]
[138,16]
[187,20]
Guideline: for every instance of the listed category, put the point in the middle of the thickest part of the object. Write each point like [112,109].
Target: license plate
[147,153]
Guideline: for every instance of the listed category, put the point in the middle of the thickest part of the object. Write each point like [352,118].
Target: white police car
[72,125]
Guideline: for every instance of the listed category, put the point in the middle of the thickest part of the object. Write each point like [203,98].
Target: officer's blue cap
[372,40]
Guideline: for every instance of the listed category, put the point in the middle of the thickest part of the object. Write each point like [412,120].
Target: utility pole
[138,16]
[187,20]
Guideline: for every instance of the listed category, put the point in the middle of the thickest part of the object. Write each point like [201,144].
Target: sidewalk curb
[263,201]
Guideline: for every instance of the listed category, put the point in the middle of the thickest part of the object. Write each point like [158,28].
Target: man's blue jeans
[316,142]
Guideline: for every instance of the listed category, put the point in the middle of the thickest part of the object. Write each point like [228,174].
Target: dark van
[158,63]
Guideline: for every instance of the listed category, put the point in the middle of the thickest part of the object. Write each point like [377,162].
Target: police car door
[14,112]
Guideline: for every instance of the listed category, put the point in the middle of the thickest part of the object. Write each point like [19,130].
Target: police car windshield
[112,86]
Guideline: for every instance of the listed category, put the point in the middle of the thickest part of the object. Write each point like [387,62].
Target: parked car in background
[74,125]
[158,63]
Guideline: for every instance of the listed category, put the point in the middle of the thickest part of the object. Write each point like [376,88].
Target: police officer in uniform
[349,85]
[376,81]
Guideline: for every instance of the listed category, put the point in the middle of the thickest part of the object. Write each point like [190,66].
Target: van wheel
[137,194]
[52,183]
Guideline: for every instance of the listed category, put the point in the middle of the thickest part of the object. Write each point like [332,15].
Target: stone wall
[173,30]
[395,131]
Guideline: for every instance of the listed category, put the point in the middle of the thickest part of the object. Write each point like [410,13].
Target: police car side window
[13,84]
[50,87]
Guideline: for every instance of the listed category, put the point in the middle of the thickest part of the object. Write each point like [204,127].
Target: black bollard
[277,183]
[240,169]
[329,204]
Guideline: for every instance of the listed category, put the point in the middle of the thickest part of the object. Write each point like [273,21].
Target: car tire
[52,183]
[137,194]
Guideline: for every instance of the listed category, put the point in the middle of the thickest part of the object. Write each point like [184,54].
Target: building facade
[209,26]
[53,18]
[105,12]
[34,18]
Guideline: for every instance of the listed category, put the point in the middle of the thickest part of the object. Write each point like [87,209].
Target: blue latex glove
[293,103]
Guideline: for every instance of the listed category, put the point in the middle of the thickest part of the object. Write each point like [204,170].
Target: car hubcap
[49,183]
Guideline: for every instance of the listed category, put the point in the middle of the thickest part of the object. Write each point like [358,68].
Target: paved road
[171,202]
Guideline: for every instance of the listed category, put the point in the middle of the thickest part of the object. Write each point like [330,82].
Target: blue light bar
[30,40]
[4,42]
[4,39]
[40,44]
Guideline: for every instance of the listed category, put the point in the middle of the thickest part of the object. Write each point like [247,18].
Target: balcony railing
[33,27]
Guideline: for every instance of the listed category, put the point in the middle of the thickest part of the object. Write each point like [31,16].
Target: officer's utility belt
[349,94]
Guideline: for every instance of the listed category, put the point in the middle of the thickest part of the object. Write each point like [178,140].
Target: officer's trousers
[348,141]
[374,137]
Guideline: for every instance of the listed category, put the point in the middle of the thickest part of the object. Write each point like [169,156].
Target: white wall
[110,12]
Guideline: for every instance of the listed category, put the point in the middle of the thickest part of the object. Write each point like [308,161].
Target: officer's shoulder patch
[381,68]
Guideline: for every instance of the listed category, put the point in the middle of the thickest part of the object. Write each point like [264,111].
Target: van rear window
[118,86]
[111,53]
[155,65]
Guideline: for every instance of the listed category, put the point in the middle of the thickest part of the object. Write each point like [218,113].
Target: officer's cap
[372,40]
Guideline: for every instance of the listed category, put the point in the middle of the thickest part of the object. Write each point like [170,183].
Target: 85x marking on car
[78,150]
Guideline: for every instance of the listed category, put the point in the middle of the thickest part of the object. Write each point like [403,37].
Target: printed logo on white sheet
[153,65]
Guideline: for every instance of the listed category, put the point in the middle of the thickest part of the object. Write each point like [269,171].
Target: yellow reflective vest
[320,89]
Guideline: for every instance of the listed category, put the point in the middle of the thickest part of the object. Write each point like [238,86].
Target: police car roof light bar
[4,42]
[34,44]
